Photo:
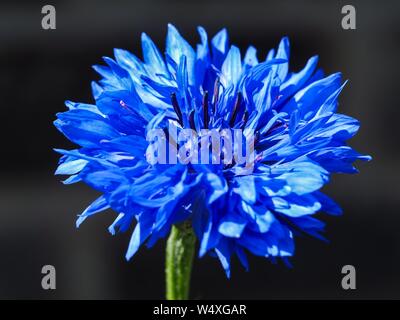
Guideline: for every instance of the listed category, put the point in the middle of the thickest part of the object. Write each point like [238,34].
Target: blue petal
[246,188]
[328,205]
[231,69]
[204,225]
[250,58]
[178,47]
[152,56]
[314,95]
[84,127]
[217,185]
[71,166]
[219,45]
[139,235]
[305,178]
[232,225]
[100,204]
[129,61]
[296,206]
[242,257]
[224,255]
[283,53]
[297,80]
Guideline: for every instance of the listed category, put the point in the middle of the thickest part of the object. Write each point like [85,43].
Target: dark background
[39,69]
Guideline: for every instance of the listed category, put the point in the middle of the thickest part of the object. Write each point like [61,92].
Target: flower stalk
[179,260]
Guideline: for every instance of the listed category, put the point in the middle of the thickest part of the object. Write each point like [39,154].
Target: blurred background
[39,69]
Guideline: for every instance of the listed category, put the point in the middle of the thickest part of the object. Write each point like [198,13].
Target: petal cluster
[300,140]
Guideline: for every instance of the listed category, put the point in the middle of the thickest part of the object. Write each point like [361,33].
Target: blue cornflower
[300,140]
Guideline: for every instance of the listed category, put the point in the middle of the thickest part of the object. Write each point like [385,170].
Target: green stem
[178,263]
